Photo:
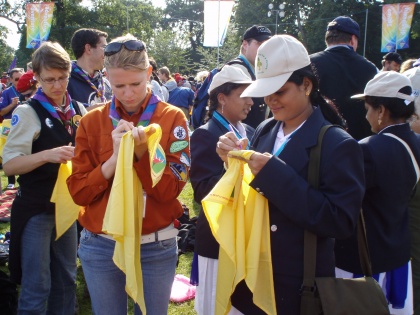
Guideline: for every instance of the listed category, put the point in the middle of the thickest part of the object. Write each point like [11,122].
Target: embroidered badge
[76,120]
[48,122]
[178,146]
[15,120]
[159,160]
[179,170]
[185,159]
[180,133]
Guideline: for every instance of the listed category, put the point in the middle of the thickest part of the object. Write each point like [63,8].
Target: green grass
[184,266]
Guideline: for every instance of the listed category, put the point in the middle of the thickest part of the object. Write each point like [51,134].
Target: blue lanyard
[284,144]
[247,63]
[227,125]
[14,91]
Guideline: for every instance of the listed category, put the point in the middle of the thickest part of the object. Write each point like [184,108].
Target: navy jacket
[206,170]
[82,92]
[294,206]
[342,73]
[390,179]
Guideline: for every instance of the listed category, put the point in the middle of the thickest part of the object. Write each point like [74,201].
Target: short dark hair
[85,36]
[337,37]
[396,106]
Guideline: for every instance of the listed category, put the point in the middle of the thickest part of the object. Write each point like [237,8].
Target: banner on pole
[38,23]
[405,17]
[217,15]
[396,23]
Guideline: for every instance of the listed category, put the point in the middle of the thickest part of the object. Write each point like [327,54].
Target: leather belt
[164,234]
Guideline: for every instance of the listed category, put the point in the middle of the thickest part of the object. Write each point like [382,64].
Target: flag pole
[218,35]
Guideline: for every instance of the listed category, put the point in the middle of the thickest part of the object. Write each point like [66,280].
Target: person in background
[226,111]
[391,158]
[27,85]
[280,166]
[157,87]
[41,137]
[87,83]
[11,99]
[391,62]
[251,40]
[180,96]
[164,75]
[342,73]
[414,208]
[94,164]
[407,65]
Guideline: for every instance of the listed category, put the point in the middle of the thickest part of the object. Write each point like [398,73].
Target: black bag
[336,296]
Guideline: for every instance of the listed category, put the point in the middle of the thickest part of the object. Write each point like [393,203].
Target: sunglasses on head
[131,45]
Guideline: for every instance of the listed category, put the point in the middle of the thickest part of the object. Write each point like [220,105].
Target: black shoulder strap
[238,61]
[76,107]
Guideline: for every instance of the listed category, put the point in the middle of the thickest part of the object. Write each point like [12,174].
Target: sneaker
[10,186]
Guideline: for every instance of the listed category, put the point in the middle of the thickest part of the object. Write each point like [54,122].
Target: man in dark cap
[342,73]
[391,62]
[251,40]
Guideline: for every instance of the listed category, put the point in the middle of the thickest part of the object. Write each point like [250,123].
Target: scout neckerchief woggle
[64,116]
[159,159]
[100,90]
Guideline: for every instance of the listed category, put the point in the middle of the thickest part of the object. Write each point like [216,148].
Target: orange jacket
[94,146]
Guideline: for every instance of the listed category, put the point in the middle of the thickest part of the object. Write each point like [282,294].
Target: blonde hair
[127,59]
[50,55]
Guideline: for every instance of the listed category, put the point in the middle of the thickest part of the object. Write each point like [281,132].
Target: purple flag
[13,64]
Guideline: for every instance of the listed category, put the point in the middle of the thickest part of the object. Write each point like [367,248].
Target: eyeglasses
[131,45]
[51,81]
[27,95]
[17,79]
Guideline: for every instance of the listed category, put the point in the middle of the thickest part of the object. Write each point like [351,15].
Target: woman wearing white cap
[226,111]
[280,166]
[391,171]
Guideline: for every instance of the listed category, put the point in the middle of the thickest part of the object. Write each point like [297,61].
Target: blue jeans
[106,282]
[48,268]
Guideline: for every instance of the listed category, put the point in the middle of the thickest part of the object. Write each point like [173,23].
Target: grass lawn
[184,266]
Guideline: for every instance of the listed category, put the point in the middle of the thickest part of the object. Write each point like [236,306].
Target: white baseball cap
[277,59]
[387,84]
[229,74]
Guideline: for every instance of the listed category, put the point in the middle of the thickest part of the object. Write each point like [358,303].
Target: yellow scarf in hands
[124,212]
[66,211]
[239,220]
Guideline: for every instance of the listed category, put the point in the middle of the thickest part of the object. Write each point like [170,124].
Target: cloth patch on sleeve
[15,120]
[180,133]
[179,170]
[185,159]
[178,146]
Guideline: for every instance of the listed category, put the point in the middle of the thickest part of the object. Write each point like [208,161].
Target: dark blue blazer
[390,179]
[294,206]
[206,170]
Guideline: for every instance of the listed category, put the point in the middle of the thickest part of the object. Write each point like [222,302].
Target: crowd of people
[102,111]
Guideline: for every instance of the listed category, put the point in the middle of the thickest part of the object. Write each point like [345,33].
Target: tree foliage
[6,52]
[175,34]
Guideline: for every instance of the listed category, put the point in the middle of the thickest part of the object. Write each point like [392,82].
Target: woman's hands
[59,154]
[229,142]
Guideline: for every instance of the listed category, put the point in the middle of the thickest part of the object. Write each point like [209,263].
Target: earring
[223,106]
[307,93]
[379,121]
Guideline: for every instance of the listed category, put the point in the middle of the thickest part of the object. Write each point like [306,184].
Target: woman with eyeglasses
[132,107]
[41,137]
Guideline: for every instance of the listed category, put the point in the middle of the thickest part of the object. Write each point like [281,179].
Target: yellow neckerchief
[66,211]
[239,220]
[124,212]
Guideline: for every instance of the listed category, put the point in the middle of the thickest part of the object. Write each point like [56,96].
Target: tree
[6,52]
